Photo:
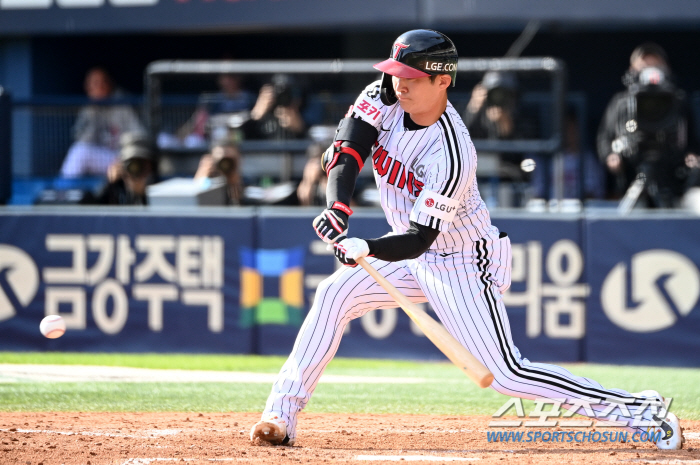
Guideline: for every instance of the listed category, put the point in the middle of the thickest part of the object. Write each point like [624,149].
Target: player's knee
[323,288]
[499,388]
[333,295]
[502,383]
[329,290]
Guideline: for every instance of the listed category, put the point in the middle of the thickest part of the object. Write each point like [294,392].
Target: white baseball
[52,326]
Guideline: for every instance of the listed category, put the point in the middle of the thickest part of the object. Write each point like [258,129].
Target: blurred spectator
[211,120]
[493,113]
[129,177]
[573,157]
[645,132]
[224,160]
[98,128]
[312,188]
[276,114]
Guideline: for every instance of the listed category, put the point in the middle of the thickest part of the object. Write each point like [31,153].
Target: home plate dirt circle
[47,438]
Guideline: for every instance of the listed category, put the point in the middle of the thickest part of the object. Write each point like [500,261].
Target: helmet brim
[398,69]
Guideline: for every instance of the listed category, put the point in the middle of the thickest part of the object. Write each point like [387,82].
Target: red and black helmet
[418,53]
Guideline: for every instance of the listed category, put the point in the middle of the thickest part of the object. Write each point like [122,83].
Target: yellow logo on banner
[284,265]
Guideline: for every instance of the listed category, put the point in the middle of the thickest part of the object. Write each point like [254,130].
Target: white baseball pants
[465,290]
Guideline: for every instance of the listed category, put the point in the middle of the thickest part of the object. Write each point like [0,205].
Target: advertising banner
[243,280]
[130,283]
[645,286]
[378,334]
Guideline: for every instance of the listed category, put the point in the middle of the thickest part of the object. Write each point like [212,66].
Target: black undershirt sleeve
[342,178]
[413,243]
[357,136]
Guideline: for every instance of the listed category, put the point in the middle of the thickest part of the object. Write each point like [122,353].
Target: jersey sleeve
[368,106]
[446,184]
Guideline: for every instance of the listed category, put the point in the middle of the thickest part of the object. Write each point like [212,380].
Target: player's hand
[331,224]
[348,250]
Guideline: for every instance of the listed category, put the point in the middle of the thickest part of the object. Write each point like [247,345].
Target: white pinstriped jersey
[426,175]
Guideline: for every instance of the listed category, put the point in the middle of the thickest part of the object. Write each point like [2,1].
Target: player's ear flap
[387,93]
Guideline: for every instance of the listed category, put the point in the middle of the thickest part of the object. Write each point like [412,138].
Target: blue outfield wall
[131,283]
[645,285]
[604,290]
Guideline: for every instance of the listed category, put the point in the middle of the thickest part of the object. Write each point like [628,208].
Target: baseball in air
[52,326]
[528,165]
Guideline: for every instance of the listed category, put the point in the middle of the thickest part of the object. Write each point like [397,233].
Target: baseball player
[443,248]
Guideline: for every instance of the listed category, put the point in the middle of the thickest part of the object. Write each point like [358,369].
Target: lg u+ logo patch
[430,203]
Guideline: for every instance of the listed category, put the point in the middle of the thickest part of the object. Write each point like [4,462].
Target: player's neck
[431,113]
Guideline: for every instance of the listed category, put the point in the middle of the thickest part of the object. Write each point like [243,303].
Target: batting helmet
[417,53]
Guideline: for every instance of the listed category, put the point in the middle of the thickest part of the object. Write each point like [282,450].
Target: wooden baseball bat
[437,333]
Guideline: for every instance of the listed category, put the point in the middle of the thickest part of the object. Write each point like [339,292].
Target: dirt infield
[206,438]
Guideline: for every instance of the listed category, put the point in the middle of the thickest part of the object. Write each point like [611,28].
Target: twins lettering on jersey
[396,173]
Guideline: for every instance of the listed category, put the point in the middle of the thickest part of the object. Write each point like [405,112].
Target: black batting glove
[341,254]
[349,250]
[332,222]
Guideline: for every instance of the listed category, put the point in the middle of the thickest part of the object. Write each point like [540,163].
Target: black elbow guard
[358,132]
[354,137]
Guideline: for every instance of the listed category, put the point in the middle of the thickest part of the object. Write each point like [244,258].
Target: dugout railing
[550,98]
[159,71]
[40,126]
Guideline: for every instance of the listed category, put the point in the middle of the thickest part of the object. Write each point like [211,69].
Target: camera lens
[500,97]
[136,168]
[654,106]
[283,96]
[226,165]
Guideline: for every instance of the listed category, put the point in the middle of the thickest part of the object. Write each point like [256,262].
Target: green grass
[446,390]
[167,361]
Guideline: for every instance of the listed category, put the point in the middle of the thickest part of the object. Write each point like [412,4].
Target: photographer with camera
[493,113]
[646,138]
[214,113]
[276,114]
[224,160]
[129,176]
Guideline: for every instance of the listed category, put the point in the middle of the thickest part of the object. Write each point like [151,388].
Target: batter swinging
[443,249]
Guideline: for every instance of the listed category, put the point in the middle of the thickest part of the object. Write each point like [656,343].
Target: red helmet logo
[398,46]
[429,202]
